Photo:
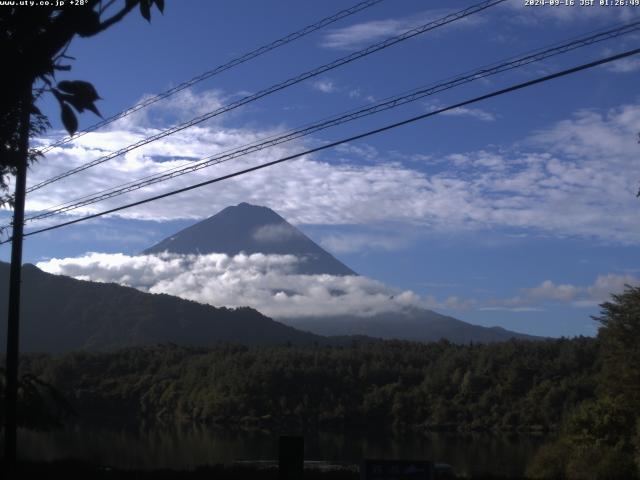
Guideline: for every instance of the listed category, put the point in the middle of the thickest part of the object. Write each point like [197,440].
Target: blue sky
[519,211]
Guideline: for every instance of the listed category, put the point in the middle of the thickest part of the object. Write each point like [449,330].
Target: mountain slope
[255,229]
[415,324]
[251,229]
[60,313]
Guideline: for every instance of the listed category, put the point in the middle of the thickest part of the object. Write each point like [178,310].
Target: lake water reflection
[186,447]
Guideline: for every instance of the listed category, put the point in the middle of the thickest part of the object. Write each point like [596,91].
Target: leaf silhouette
[69,119]
[81,95]
[145,9]
[91,107]
[82,90]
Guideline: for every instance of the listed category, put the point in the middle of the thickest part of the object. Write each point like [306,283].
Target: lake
[185,447]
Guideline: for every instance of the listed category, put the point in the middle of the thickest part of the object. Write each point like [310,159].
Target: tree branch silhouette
[34,42]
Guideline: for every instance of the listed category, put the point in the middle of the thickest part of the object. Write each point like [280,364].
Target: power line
[280,86]
[392,102]
[219,69]
[495,93]
[537,54]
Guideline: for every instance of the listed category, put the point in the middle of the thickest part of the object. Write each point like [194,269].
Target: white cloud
[361,34]
[360,151]
[547,293]
[549,290]
[365,33]
[177,108]
[265,282]
[275,233]
[568,182]
[362,242]
[324,85]
[604,285]
[471,112]
[120,235]
[624,65]
[573,295]
[476,113]
[269,284]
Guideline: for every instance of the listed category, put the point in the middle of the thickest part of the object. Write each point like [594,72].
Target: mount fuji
[251,229]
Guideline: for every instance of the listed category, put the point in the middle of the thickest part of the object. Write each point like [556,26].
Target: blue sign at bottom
[396,470]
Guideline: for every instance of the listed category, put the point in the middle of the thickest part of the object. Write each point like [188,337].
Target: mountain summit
[254,229]
[251,229]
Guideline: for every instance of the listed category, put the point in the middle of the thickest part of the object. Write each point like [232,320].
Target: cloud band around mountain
[269,284]
[265,282]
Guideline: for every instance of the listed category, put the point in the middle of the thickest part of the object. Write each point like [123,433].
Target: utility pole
[13,322]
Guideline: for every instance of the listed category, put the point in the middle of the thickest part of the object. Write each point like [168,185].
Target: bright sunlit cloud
[269,284]
[265,282]
[565,180]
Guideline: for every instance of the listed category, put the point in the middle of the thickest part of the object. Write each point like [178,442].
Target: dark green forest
[515,385]
[583,392]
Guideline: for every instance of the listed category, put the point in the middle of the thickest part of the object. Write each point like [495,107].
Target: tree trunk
[13,322]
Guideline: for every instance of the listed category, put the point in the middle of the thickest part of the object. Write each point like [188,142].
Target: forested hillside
[517,385]
[60,314]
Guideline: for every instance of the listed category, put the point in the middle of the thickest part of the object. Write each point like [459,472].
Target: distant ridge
[255,229]
[251,229]
[60,314]
[415,324]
